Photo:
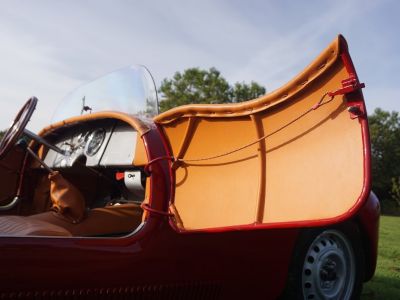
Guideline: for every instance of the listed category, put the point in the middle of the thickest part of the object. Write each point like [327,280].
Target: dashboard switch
[119,175]
[133,182]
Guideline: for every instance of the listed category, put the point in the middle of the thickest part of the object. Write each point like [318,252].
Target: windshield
[129,90]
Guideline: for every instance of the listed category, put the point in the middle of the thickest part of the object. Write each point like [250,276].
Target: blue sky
[50,47]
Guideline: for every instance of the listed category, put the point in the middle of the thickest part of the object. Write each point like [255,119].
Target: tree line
[194,86]
[384,129]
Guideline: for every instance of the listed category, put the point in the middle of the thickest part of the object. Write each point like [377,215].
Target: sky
[48,48]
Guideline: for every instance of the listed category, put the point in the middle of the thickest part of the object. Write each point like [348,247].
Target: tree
[385,140]
[195,86]
[395,192]
[243,92]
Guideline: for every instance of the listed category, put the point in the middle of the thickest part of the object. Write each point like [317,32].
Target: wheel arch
[368,224]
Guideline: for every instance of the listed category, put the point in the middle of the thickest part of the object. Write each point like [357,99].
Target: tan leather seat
[22,226]
[117,219]
[109,220]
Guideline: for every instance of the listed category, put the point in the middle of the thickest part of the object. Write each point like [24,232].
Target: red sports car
[262,199]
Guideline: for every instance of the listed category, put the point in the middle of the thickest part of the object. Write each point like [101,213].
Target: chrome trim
[11,205]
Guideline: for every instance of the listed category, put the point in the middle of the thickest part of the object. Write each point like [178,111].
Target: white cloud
[290,51]
[25,70]
[50,47]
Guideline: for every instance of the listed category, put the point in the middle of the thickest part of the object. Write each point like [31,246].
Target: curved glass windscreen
[130,90]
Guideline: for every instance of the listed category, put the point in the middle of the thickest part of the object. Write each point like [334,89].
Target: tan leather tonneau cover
[275,159]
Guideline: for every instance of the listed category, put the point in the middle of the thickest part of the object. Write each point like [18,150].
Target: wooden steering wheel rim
[17,127]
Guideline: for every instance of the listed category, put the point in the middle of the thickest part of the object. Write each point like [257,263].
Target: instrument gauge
[94,142]
[81,140]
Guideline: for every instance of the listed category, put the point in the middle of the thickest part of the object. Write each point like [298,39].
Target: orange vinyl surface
[310,169]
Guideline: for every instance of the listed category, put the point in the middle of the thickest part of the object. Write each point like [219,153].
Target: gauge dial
[95,140]
[82,138]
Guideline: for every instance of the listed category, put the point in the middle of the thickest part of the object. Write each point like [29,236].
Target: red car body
[161,261]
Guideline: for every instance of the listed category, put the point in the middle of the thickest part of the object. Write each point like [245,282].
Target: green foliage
[396,190]
[195,86]
[385,140]
[385,285]
[243,92]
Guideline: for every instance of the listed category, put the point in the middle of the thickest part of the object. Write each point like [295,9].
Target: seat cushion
[23,226]
[108,220]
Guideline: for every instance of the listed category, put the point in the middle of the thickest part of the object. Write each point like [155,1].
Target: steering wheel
[17,127]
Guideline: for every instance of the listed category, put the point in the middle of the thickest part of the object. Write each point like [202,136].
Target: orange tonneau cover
[293,156]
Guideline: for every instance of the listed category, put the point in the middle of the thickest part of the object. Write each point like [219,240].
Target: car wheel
[328,264]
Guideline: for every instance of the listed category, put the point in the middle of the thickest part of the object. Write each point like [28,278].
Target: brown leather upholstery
[109,220]
[136,123]
[22,226]
[115,219]
[9,174]
[67,200]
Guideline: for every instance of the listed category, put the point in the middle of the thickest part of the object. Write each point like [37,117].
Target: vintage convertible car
[256,200]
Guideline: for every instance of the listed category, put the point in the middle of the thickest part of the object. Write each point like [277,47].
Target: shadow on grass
[382,288]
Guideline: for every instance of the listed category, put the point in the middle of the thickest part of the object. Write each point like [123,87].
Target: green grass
[386,283]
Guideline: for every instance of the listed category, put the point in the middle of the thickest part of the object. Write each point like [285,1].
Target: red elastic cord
[145,206]
[319,103]
[146,168]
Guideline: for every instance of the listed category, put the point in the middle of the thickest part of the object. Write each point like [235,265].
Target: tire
[327,264]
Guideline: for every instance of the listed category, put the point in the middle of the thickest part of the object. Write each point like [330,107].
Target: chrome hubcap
[329,268]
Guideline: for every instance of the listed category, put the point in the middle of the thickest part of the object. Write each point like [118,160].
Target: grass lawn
[386,283]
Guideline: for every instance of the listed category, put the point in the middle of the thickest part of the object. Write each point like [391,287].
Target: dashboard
[98,143]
